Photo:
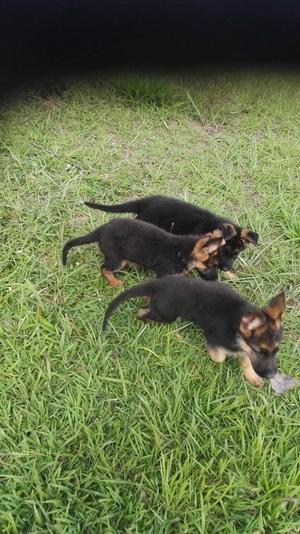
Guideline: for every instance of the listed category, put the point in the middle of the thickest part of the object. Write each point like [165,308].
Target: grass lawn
[138,431]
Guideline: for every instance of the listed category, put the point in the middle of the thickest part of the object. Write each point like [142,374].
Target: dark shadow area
[48,39]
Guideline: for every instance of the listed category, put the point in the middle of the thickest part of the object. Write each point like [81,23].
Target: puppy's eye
[264,352]
[275,350]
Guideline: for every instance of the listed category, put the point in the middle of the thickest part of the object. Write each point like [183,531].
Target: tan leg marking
[217,354]
[142,312]
[249,373]
[110,277]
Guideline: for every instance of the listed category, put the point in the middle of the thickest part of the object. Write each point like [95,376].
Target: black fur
[182,218]
[216,309]
[148,246]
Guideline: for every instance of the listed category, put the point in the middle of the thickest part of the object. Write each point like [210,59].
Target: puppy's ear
[276,307]
[249,237]
[209,243]
[250,321]
[228,230]
[213,244]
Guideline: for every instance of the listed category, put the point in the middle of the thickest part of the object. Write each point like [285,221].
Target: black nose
[269,374]
[266,373]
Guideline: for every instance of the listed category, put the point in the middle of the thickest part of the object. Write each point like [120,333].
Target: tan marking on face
[110,277]
[269,346]
[261,330]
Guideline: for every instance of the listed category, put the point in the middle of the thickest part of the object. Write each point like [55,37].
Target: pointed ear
[250,321]
[213,244]
[249,237]
[276,307]
[228,230]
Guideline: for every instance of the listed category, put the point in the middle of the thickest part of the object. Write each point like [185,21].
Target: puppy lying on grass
[230,324]
[129,240]
[182,218]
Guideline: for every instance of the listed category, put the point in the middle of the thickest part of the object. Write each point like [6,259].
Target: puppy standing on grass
[129,240]
[230,324]
[182,218]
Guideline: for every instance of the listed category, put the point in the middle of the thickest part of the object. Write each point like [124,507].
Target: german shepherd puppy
[230,324]
[129,240]
[181,218]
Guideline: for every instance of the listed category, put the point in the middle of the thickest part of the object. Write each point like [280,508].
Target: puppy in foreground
[181,218]
[128,240]
[230,324]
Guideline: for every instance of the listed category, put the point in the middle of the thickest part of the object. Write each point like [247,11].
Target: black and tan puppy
[129,240]
[230,324]
[181,218]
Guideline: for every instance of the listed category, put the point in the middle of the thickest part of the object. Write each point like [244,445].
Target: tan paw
[254,379]
[228,275]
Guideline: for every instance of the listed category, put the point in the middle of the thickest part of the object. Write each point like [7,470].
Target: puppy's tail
[133,206]
[83,240]
[142,290]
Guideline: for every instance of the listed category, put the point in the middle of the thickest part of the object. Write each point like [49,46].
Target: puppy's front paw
[254,379]
[216,354]
[228,275]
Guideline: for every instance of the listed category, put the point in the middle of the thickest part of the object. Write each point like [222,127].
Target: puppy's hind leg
[158,311]
[145,314]
[107,270]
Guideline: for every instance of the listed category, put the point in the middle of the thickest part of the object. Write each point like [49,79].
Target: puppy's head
[205,253]
[261,334]
[235,242]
